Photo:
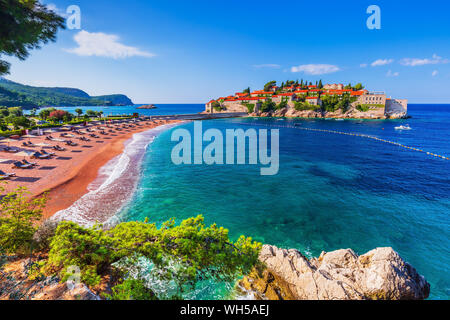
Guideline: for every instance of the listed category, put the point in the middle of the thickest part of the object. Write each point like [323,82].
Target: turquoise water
[332,191]
[162,109]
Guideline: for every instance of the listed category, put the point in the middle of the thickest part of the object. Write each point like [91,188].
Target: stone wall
[396,108]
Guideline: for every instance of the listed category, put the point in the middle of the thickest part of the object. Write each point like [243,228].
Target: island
[308,100]
[148,107]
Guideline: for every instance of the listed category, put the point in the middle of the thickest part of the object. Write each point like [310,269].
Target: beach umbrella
[8,141]
[25,153]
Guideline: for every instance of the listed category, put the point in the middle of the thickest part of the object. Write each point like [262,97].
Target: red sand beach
[66,175]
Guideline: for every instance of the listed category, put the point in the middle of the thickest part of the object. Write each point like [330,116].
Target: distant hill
[14,94]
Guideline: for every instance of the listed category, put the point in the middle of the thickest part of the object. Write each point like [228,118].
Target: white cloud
[392,74]
[435,73]
[381,62]
[104,45]
[316,69]
[414,62]
[55,9]
[267,66]
[363,65]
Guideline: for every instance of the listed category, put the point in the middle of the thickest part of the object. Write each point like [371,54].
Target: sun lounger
[58,148]
[38,155]
[20,165]
[45,152]
[72,144]
[4,175]
[10,150]
[26,162]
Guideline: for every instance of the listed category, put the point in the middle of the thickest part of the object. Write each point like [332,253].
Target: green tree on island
[25,25]
[270,85]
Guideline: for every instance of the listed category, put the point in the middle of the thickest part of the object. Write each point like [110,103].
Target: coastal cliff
[380,274]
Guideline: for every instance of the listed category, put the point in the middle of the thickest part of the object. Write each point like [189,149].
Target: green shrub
[250,107]
[198,251]
[19,216]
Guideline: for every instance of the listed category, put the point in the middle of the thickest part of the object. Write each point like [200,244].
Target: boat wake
[407,127]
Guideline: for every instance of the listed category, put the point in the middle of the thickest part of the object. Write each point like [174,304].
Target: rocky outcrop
[148,107]
[15,284]
[380,274]
[352,113]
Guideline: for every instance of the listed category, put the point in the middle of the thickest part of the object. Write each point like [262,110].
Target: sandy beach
[66,175]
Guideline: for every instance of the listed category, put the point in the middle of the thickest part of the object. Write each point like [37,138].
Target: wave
[114,185]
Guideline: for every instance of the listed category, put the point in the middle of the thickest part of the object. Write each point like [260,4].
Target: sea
[333,190]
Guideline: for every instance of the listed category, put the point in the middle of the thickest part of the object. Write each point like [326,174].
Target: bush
[304,106]
[182,254]
[18,219]
[132,289]
[60,115]
[250,107]
[44,234]
[268,106]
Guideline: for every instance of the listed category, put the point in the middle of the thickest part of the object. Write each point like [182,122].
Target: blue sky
[192,51]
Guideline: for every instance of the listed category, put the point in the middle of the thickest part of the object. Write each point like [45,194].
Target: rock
[60,291]
[15,284]
[149,106]
[380,274]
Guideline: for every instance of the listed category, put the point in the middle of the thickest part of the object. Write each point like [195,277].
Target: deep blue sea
[332,191]
[162,109]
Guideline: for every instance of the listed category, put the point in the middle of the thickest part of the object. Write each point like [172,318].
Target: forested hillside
[14,94]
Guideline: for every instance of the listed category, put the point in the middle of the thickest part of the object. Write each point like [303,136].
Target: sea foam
[115,183]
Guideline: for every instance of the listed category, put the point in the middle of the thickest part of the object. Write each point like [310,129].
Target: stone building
[334,86]
[372,98]
[315,101]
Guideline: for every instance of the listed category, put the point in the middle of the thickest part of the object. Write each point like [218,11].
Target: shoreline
[66,177]
[113,183]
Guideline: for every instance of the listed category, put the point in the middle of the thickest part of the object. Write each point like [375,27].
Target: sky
[193,51]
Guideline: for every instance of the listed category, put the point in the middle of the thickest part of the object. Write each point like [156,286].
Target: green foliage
[269,85]
[18,218]
[268,106]
[183,254]
[304,106]
[334,102]
[283,104]
[358,87]
[217,106]
[20,122]
[250,107]
[320,85]
[366,107]
[246,90]
[25,25]
[14,94]
[45,113]
[132,289]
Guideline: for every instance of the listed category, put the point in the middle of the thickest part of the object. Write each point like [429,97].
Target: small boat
[407,127]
